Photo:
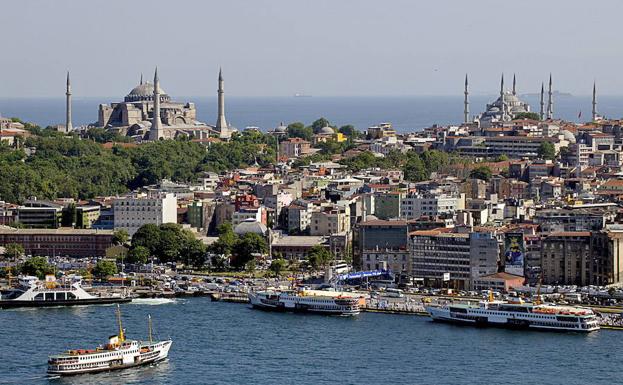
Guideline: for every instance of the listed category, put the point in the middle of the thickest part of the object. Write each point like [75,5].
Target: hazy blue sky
[319,47]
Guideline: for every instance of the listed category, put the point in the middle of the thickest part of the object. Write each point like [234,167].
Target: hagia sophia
[134,116]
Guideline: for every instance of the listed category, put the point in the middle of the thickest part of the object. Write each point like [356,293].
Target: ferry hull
[163,354]
[8,304]
[514,324]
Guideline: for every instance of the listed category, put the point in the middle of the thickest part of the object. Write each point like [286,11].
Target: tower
[594,112]
[68,126]
[221,122]
[155,133]
[542,111]
[514,86]
[466,103]
[550,100]
[502,98]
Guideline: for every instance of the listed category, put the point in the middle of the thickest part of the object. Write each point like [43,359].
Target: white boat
[33,293]
[312,301]
[118,353]
[517,315]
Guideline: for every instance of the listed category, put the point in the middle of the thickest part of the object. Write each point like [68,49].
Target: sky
[319,47]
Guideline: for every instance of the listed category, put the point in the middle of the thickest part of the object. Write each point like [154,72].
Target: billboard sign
[514,253]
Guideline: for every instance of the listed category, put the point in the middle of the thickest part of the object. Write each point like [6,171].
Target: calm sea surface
[220,343]
[406,113]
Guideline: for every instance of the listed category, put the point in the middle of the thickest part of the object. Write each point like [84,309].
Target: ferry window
[49,296]
[71,296]
[39,297]
[60,296]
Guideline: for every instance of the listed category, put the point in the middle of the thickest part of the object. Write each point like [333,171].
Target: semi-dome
[326,131]
[145,92]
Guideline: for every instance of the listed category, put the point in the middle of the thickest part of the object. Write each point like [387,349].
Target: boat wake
[153,301]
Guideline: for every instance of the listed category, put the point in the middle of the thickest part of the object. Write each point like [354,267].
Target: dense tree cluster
[240,249]
[67,166]
[168,242]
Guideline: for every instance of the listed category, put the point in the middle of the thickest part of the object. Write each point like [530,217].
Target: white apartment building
[415,206]
[132,212]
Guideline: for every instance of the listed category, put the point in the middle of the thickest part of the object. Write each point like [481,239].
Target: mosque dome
[326,131]
[281,129]
[250,226]
[145,92]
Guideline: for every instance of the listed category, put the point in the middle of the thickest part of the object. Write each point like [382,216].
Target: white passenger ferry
[118,353]
[517,315]
[313,301]
[33,293]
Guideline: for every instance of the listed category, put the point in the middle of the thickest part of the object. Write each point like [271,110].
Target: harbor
[233,341]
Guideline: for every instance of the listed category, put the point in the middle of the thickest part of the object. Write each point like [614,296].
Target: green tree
[481,172]
[226,240]
[350,131]
[120,237]
[37,266]
[194,253]
[278,265]
[527,115]
[298,130]
[247,245]
[547,151]
[13,251]
[105,268]
[501,158]
[138,254]
[172,241]
[319,256]
[147,236]
[320,123]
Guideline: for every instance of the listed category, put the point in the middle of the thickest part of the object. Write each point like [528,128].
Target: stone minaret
[155,133]
[221,122]
[466,103]
[141,79]
[514,85]
[542,111]
[502,97]
[550,100]
[594,102]
[68,126]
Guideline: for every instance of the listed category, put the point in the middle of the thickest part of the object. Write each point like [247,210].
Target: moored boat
[517,315]
[312,301]
[33,293]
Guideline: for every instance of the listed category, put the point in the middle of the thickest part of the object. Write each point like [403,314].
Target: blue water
[220,343]
[406,113]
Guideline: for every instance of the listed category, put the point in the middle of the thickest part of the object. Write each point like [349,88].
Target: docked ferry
[312,301]
[118,353]
[33,293]
[517,314]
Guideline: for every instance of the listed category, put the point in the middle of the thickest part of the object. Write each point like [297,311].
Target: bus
[394,293]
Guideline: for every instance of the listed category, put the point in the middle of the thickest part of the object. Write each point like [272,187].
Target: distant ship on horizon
[298,95]
[554,93]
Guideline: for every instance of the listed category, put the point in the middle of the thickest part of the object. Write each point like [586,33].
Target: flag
[580,115]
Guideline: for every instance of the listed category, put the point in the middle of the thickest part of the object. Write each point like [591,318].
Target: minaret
[141,78]
[155,133]
[466,103]
[502,97]
[514,86]
[542,111]
[594,102]
[221,122]
[550,100]
[68,126]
